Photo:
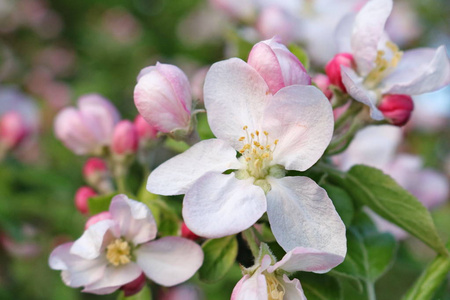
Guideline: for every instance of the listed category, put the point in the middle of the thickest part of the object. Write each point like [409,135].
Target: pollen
[275,289]
[118,252]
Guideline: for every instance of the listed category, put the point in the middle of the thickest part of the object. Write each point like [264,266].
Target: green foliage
[301,54]
[220,255]
[320,287]
[100,203]
[370,186]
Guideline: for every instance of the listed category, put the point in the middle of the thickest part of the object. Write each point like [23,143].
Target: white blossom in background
[117,249]
[288,130]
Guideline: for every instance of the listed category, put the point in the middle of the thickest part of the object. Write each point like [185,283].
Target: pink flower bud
[187,233]
[96,174]
[125,138]
[81,198]
[145,131]
[333,68]
[396,108]
[274,21]
[163,97]
[105,215]
[12,129]
[323,83]
[134,287]
[89,128]
[277,65]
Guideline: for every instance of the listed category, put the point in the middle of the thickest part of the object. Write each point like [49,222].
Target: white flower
[269,280]
[288,130]
[381,68]
[114,252]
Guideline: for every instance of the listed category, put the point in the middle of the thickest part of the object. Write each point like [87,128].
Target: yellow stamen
[118,252]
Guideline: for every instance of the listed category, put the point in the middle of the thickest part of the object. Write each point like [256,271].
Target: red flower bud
[333,68]
[396,108]
[81,198]
[12,129]
[134,287]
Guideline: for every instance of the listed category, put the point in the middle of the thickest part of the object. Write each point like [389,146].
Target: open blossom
[288,130]
[163,97]
[269,279]
[277,65]
[115,251]
[88,128]
[380,67]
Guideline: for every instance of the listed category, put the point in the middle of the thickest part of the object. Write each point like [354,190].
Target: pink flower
[88,129]
[125,138]
[13,130]
[97,175]
[268,279]
[145,131]
[163,97]
[333,68]
[104,215]
[114,252]
[274,21]
[396,109]
[82,197]
[198,81]
[323,83]
[277,65]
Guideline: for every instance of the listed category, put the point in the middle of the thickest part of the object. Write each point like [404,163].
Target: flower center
[383,67]
[257,152]
[118,252]
[275,289]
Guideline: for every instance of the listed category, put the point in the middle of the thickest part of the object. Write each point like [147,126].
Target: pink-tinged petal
[301,118]
[177,175]
[251,288]
[307,259]
[89,245]
[368,29]
[169,260]
[218,205]
[433,189]
[113,278]
[77,271]
[235,96]
[343,33]
[355,88]
[301,215]
[293,289]
[419,71]
[101,112]
[386,226]
[134,219]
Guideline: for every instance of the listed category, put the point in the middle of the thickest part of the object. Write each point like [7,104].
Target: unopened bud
[134,287]
[12,130]
[144,130]
[125,138]
[82,197]
[323,83]
[187,233]
[96,174]
[105,215]
[396,109]
[333,68]
[277,65]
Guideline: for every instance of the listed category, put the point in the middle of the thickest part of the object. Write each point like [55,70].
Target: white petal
[235,96]
[301,118]
[307,259]
[134,218]
[218,205]
[113,278]
[177,175]
[293,289]
[356,89]
[343,33]
[301,215]
[169,260]
[77,271]
[419,71]
[251,288]
[367,32]
[88,246]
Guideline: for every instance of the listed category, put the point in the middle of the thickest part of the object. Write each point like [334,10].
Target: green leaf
[301,54]
[144,294]
[370,186]
[342,202]
[177,146]
[319,287]
[220,255]
[99,204]
[431,279]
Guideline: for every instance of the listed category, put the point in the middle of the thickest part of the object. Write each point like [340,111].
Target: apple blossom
[277,65]
[114,252]
[88,129]
[163,97]
[104,215]
[268,279]
[246,118]
[396,108]
[333,68]
[125,138]
[380,67]
[275,21]
[145,131]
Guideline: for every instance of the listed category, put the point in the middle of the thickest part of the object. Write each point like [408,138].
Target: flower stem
[370,291]
[250,238]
